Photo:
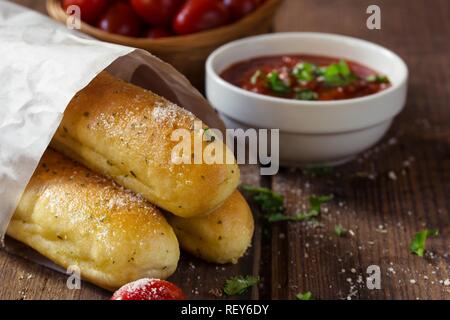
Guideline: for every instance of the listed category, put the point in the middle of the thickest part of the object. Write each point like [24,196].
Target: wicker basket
[186,53]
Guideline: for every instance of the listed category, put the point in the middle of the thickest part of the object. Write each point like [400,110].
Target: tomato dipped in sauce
[306,77]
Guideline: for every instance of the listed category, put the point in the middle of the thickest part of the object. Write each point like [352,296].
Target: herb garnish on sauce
[276,83]
[338,74]
[306,77]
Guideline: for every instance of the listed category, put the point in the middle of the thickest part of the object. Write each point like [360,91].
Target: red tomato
[157,12]
[149,289]
[154,33]
[120,19]
[198,15]
[90,9]
[240,8]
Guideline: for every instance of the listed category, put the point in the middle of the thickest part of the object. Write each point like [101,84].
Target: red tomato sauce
[306,77]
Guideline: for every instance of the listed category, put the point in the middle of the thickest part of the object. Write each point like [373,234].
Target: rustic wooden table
[392,191]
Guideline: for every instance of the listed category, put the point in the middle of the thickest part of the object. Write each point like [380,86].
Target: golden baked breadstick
[124,132]
[221,237]
[75,217]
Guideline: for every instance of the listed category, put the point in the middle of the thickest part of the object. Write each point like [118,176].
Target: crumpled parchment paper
[43,65]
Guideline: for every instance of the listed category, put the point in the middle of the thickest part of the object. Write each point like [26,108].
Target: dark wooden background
[394,190]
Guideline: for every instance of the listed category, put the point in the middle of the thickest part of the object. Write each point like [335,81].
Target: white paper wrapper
[42,65]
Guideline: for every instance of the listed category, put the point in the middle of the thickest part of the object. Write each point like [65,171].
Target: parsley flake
[305,296]
[239,285]
[316,202]
[304,72]
[340,230]
[377,78]
[272,205]
[338,74]
[276,83]
[269,201]
[417,245]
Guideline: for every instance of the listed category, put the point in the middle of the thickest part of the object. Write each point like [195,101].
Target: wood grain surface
[383,198]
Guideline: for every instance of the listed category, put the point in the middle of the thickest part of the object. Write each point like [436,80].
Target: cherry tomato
[154,33]
[157,12]
[199,15]
[240,8]
[120,19]
[90,9]
[149,289]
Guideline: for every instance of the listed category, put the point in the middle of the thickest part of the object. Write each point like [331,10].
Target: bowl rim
[210,72]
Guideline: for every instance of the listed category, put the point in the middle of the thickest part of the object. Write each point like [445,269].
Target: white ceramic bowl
[311,132]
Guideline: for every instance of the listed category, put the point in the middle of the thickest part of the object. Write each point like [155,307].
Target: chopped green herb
[276,83]
[239,285]
[299,216]
[377,78]
[316,202]
[305,296]
[304,71]
[344,69]
[270,202]
[306,94]
[272,205]
[320,71]
[417,245]
[255,77]
[338,74]
[340,230]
